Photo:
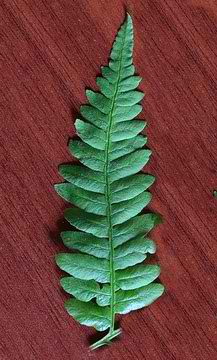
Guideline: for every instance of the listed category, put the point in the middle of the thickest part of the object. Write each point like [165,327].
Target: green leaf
[90,223]
[129,300]
[83,177]
[84,199]
[94,116]
[126,113]
[129,98]
[129,187]
[130,83]
[105,87]
[125,147]
[83,290]
[123,261]
[90,134]
[84,267]
[86,243]
[138,244]
[98,101]
[138,225]
[92,158]
[137,276]
[127,209]
[103,299]
[127,130]
[89,314]
[108,191]
[128,165]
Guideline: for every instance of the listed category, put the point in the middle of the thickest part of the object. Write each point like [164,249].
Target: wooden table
[49,52]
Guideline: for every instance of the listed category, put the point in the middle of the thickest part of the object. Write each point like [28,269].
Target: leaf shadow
[75,114]
[60,225]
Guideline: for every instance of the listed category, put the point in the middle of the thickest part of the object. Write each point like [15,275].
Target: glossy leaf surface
[105,274]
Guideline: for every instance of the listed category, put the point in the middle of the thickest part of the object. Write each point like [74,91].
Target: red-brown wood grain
[49,52]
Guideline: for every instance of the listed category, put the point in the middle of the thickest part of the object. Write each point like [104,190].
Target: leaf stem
[108,199]
[112,333]
[106,339]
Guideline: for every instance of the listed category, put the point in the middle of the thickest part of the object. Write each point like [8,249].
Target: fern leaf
[106,276]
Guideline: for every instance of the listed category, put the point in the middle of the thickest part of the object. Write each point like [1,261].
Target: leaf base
[106,339]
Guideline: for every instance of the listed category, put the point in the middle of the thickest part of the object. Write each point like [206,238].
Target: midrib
[107,197]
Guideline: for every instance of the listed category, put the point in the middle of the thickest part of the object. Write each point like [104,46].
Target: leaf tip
[56,187]
[128,17]
[88,92]
[61,169]
[162,289]
[57,258]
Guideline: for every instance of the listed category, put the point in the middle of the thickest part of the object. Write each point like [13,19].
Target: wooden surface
[49,52]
